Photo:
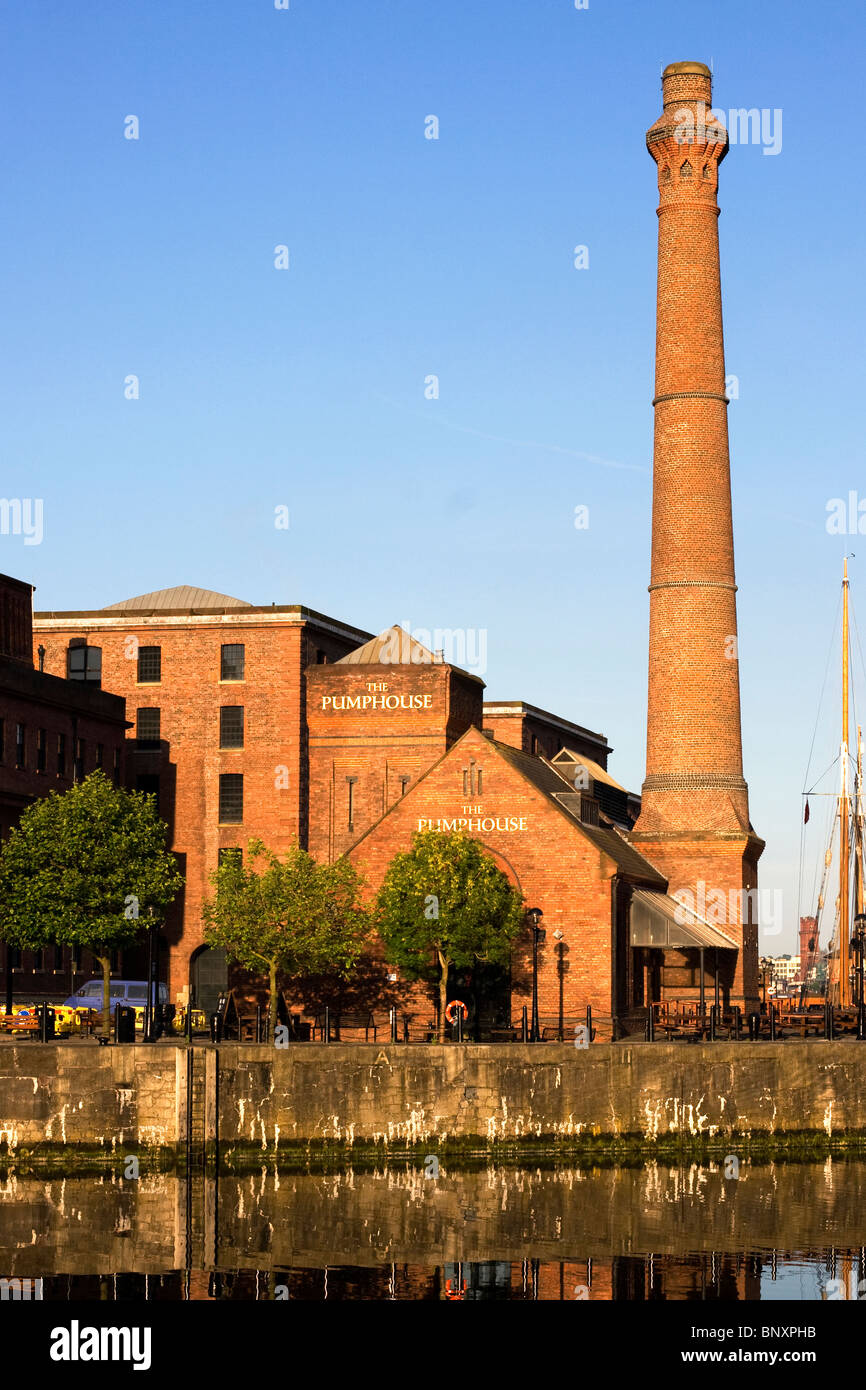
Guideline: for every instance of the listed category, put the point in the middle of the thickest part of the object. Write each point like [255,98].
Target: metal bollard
[738,1021]
[828,1020]
[712,1023]
[187,1023]
[772,1023]
[754,1026]
[460,1025]
[216,1028]
[524,1026]
[258,1023]
[393,1025]
[650,1025]
[326,1029]
[861,1022]
[589,1023]
[46,1023]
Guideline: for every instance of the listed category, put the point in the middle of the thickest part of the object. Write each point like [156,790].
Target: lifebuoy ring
[454,1005]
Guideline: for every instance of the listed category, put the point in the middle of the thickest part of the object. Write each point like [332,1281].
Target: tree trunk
[272,1002]
[105,962]
[443,994]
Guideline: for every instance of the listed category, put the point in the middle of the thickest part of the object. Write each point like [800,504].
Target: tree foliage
[288,914]
[89,868]
[445,904]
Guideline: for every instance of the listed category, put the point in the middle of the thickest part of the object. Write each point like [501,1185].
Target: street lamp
[560,970]
[149,1030]
[765,966]
[535,914]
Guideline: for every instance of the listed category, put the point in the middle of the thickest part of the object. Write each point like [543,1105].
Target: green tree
[445,903]
[89,868]
[288,914]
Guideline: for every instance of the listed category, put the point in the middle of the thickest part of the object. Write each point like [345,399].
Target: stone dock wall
[80,1096]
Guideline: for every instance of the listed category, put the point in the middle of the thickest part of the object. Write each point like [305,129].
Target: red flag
[806,816]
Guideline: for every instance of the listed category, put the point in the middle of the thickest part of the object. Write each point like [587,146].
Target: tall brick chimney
[694,822]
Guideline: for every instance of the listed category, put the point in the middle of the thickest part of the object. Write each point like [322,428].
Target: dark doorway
[208,978]
[486,992]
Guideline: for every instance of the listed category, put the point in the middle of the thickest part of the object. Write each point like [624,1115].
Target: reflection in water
[552,1232]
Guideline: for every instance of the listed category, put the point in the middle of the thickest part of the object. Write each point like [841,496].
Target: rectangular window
[61,755]
[41,750]
[38,960]
[229,854]
[147,727]
[232,662]
[351,807]
[232,726]
[149,784]
[84,663]
[116,767]
[80,749]
[58,960]
[404,782]
[149,665]
[20,749]
[13,957]
[231,798]
[2,740]
[100,754]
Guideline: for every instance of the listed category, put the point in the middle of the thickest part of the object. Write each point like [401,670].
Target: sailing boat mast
[844,888]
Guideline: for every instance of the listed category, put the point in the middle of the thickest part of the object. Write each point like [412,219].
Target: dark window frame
[225,661]
[89,668]
[148,731]
[232,738]
[146,664]
[231,798]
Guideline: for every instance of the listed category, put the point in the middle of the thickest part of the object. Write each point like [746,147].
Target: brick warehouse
[283,723]
[53,731]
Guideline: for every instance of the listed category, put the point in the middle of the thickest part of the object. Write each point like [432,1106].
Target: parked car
[133,992]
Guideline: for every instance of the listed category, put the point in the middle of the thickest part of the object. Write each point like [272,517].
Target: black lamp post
[149,1030]
[560,970]
[858,944]
[535,914]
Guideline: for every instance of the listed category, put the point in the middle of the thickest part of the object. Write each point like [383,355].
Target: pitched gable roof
[393,647]
[544,777]
[553,783]
[180,597]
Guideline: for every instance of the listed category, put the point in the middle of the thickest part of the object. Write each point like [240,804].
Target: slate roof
[394,647]
[182,596]
[545,777]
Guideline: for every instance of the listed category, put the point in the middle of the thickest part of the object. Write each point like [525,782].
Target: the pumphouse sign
[473,820]
[377,696]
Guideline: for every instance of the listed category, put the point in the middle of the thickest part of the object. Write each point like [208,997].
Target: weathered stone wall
[80,1094]
[400,1094]
[121,1098]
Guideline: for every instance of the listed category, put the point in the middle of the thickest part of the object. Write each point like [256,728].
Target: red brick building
[53,732]
[282,723]
[215,693]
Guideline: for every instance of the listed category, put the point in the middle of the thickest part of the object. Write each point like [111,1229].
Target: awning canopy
[659,920]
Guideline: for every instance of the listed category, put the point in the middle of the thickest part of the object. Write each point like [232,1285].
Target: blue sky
[408,258]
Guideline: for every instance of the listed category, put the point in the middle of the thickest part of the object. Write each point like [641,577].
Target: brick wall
[189,760]
[383,725]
